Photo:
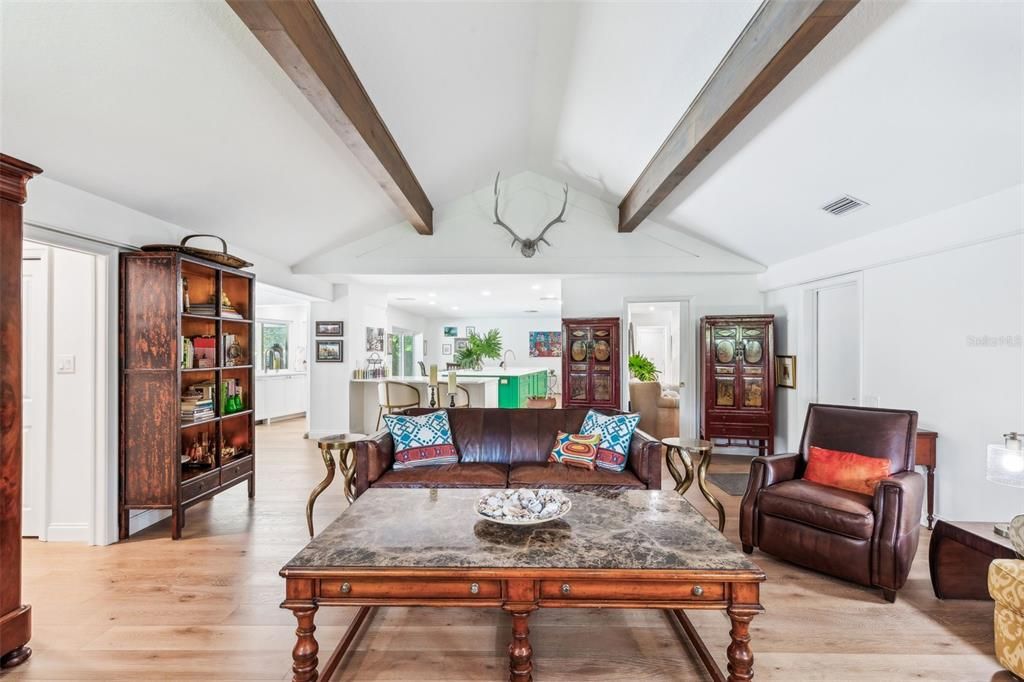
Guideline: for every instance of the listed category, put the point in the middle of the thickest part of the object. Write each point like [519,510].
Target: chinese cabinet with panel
[187,420]
[591,362]
[738,381]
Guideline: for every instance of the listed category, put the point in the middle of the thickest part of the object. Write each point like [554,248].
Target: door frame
[103,480]
[807,387]
[689,411]
[40,484]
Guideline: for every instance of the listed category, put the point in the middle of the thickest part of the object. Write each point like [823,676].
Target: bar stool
[683,448]
[396,395]
[343,443]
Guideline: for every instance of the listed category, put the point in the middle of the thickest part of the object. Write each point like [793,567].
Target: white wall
[922,318]
[669,318]
[515,336]
[72,395]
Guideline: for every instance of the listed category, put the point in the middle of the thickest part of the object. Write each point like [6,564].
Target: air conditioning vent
[404,298]
[843,205]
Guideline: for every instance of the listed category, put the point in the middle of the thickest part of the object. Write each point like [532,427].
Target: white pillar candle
[452,382]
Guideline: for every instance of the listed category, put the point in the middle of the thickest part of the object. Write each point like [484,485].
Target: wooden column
[15,617]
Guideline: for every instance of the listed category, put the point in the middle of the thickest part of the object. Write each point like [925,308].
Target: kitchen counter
[497,372]
[364,405]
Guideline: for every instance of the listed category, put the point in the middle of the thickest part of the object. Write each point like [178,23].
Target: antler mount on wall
[528,247]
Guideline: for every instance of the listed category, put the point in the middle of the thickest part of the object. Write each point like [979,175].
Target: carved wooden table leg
[931,494]
[741,659]
[304,661]
[320,487]
[520,653]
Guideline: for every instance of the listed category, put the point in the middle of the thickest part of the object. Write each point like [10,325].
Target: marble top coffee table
[427,547]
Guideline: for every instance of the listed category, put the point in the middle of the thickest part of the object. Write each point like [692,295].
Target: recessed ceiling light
[432,294]
[431,302]
[485,293]
[549,297]
[531,311]
[651,308]
[455,307]
[535,287]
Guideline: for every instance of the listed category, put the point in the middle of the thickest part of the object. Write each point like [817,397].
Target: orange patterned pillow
[576,449]
[846,470]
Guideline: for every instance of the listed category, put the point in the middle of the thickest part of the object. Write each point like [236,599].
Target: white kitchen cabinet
[281,395]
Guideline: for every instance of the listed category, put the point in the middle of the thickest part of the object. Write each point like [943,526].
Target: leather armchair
[659,413]
[870,540]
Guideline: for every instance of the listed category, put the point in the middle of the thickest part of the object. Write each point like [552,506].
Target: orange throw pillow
[846,470]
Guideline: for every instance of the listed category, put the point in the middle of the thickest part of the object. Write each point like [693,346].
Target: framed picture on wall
[330,328]
[330,351]
[375,339]
[451,331]
[446,349]
[470,330]
[785,371]
[461,344]
[545,344]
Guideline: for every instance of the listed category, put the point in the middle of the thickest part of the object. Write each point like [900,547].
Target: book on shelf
[230,312]
[197,401]
[188,353]
[205,352]
[209,309]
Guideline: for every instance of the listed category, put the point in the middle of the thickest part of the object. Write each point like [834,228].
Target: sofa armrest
[645,459]
[764,472]
[374,456]
[897,506]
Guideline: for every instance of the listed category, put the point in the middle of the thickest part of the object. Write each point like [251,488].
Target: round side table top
[688,444]
[340,440]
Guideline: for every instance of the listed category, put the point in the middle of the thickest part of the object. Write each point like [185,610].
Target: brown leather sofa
[500,448]
[870,540]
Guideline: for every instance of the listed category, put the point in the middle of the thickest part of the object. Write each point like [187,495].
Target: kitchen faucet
[504,358]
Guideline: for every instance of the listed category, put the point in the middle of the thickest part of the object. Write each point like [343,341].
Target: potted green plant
[479,348]
[642,369]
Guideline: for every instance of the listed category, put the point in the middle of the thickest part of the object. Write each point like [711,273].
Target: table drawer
[199,486]
[409,588]
[630,590]
[235,468]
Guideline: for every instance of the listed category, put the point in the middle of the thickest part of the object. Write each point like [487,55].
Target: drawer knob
[474,588]
[566,589]
[698,591]
[346,588]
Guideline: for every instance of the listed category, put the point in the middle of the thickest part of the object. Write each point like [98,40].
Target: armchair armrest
[764,472]
[645,459]
[374,456]
[897,506]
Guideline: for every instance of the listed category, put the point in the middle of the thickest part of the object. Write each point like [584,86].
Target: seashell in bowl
[523,507]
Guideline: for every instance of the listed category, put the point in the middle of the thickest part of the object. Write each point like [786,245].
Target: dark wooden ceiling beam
[299,39]
[778,38]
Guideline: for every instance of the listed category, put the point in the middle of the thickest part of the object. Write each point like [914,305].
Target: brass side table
[343,443]
[684,448]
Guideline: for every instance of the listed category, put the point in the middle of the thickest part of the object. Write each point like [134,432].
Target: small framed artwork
[785,371]
[375,339]
[461,344]
[446,349]
[330,328]
[470,330]
[451,331]
[330,351]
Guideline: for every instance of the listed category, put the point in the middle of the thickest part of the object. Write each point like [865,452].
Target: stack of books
[228,310]
[202,309]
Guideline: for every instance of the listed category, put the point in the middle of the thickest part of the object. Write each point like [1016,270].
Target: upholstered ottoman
[1006,586]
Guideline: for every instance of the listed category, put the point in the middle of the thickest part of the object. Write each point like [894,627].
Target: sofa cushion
[832,509]
[575,449]
[424,440]
[616,433]
[570,478]
[446,476]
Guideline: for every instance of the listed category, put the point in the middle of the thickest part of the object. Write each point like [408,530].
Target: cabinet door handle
[698,591]
[346,588]
[566,589]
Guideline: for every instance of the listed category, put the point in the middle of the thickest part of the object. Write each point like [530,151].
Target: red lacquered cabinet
[590,362]
[738,381]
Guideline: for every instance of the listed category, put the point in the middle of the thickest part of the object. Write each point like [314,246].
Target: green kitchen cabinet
[513,391]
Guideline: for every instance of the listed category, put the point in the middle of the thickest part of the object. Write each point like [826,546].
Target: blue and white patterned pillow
[425,440]
[616,433]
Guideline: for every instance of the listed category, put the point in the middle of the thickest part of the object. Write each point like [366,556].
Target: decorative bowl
[523,506]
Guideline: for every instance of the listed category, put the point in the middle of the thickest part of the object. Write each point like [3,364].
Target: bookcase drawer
[410,588]
[200,485]
[235,468]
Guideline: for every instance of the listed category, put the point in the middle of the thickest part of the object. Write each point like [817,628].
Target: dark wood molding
[15,617]
[778,38]
[298,38]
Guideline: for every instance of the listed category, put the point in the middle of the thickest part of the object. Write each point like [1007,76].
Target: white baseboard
[68,532]
[145,518]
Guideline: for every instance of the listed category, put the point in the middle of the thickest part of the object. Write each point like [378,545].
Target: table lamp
[1006,467]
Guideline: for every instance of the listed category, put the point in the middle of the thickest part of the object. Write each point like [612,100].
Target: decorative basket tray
[523,507]
[222,257]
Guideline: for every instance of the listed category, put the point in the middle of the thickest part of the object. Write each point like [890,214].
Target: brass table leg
[347,462]
[320,487]
[682,483]
[702,472]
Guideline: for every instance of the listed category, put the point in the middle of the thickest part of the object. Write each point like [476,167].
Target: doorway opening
[659,332]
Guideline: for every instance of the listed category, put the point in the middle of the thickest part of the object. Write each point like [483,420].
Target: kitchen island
[363,403]
[515,384]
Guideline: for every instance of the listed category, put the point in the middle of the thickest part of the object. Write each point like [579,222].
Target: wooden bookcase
[153,435]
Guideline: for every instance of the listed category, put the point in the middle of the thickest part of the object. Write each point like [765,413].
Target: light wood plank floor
[206,608]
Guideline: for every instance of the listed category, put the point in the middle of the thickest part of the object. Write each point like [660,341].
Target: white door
[35,334]
[838,344]
[653,342]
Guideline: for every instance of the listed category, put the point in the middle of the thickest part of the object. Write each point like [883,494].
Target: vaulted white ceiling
[175,109]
